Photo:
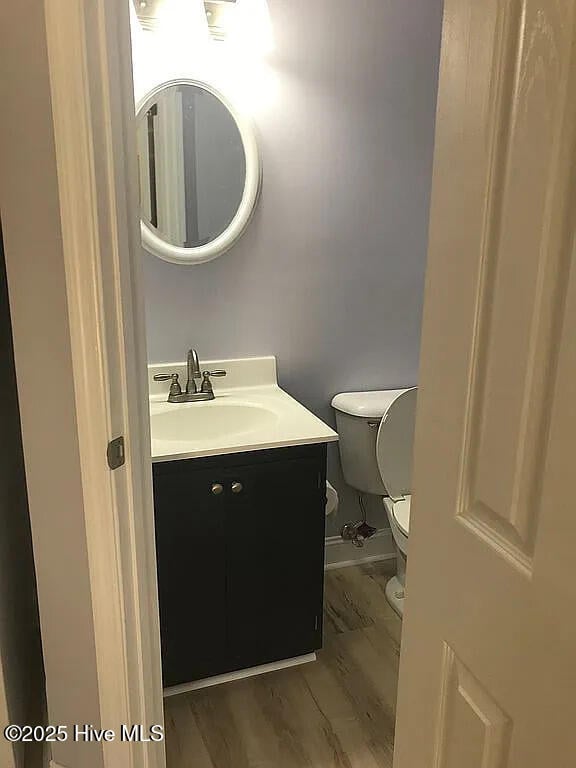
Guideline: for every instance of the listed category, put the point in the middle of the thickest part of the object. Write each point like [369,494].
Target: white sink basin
[210,422]
[250,412]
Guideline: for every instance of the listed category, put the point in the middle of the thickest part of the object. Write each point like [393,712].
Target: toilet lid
[401,512]
[394,444]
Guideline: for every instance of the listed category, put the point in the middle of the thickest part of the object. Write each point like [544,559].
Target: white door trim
[93,115]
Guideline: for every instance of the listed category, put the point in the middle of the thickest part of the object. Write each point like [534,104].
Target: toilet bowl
[331,499]
[376,436]
[399,519]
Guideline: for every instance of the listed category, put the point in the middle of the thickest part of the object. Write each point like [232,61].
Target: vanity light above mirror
[220,14]
[199,172]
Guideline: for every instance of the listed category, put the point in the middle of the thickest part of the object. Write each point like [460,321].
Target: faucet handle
[175,388]
[206,383]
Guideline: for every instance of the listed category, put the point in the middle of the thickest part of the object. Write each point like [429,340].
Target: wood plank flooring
[337,712]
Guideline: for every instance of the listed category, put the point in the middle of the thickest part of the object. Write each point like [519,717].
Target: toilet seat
[401,512]
[394,444]
[398,513]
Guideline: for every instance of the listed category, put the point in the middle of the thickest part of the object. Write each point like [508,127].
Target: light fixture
[174,15]
[220,15]
[243,24]
[147,11]
[183,21]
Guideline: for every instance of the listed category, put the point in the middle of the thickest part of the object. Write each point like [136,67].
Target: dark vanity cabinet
[240,551]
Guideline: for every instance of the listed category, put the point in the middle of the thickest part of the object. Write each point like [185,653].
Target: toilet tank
[358,417]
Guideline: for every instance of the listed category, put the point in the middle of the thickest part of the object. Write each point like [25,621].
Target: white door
[488,671]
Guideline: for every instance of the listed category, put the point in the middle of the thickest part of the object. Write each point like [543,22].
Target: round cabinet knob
[217,489]
[237,487]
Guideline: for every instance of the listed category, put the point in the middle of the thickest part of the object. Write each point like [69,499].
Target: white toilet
[376,432]
[331,499]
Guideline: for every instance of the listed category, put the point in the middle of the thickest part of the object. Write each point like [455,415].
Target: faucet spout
[193,365]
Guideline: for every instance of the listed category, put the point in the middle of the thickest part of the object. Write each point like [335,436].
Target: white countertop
[250,412]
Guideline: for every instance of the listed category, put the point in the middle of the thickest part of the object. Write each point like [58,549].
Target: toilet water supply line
[359,531]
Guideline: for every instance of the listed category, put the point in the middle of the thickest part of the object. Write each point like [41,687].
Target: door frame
[90,57]
[78,52]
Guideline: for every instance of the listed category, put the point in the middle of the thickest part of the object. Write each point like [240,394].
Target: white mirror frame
[203,253]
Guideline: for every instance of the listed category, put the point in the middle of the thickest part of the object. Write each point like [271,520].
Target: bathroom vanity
[240,514]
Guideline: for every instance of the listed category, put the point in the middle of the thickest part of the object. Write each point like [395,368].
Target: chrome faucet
[192,393]
[193,366]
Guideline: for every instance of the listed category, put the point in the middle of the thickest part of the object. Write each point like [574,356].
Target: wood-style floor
[337,712]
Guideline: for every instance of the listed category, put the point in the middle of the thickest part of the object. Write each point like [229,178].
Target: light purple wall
[329,274]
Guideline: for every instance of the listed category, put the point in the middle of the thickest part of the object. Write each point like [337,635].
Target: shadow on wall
[329,275]
[21,671]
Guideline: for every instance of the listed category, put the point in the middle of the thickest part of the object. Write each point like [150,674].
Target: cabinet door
[275,560]
[191,571]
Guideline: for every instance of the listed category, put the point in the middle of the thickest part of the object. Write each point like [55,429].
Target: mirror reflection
[192,165]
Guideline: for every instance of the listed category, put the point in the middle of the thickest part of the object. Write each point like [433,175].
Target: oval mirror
[199,172]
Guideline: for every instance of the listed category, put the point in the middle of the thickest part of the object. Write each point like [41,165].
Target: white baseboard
[359,561]
[340,554]
[54,764]
[238,675]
